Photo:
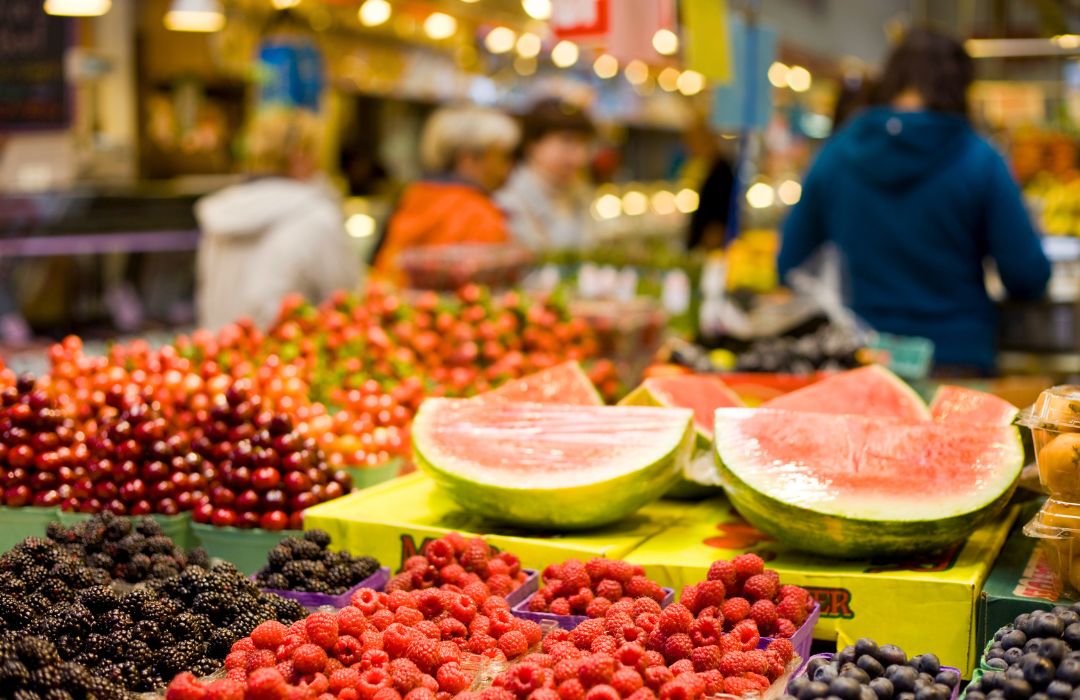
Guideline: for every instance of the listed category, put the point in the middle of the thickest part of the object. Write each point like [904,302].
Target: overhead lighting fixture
[663,203]
[195,16]
[690,82]
[500,40]
[798,79]
[636,72]
[537,9]
[686,200]
[608,206]
[77,8]
[284,4]
[790,192]
[1067,41]
[668,80]
[565,54]
[635,203]
[760,196]
[360,226]
[439,26]
[666,42]
[374,12]
[606,66]
[529,45]
[778,73]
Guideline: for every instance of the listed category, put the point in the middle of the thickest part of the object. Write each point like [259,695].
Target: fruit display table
[925,604]
[392,521]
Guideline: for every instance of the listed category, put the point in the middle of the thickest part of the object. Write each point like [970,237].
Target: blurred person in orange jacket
[468,153]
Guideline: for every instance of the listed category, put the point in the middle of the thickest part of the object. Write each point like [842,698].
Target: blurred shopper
[714,177]
[279,233]
[468,153]
[915,201]
[547,198]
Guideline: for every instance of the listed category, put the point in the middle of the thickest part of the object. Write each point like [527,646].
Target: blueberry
[1013,655]
[997,664]
[1072,635]
[845,688]
[996,695]
[797,685]
[1059,689]
[903,679]
[1053,649]
[825,673]
[999,653]
[1017,690]
[1014,673]
[905,696]
[815,664]
[1032,645]
[975,695]
[1046,625]
[926,678]
[867,693]
[1040,673]
[943,690]
[890,654]
[1015,638]
[927,692]
[1069,671]
[949,678]
[1069,617]
[814,690]
[1075,695]
[871,665]
[846,655]
[883,687]
[866,646]
[854,672]
[1039,696]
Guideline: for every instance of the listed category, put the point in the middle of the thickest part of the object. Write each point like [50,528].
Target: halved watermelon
[551,466]
[959,404]
[867,391]
[855,485]
[563,383]
[703,394]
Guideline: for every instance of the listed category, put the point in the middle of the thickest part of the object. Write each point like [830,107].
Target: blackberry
[205,666]
[46,677]
[115,528]
[113,620]
[198,557]
[155,610]
[340,576]
[294,571]
[242,625]
[57,694]
[189,626]
[35,651]
[220,642]
[10,583]
[99,599]
[278,557]
[134,602]
[304,549]
[224,568]
[149,527]
[56,532]
[13,674]
[15,560]
[276,581]
[319,537]
[163,570]
[138,569]
[39,549]
[285,609]
[13,613]
[24,694]
[209,603]
[139,653]
[99,560]
[159,544]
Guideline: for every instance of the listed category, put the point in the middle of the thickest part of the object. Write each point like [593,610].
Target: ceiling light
[565,54]
[690,82]
[374,12]
[663,202]
[635,203]
[778,73]
[760,195]
[636,72]
[608,206]
[798,79]
[606,66]
[529,45]
[686,200]
[537,9]
[668,80]
[790,192]
[77,8]
[500,40]
[284,4]
[360,226]
[439,26]
[665,41]
[195,16]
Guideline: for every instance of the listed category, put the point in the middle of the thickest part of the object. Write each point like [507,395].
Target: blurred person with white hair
[467,153]
[280,232]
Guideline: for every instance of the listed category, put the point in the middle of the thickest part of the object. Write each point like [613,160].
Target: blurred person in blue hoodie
[916,202]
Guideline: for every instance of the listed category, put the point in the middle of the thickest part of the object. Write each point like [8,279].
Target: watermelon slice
[957,404]
[563,383]
[856,485]
[867,391]
[551,466]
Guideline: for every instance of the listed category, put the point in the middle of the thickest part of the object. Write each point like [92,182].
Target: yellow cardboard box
[924,605]
[392,521]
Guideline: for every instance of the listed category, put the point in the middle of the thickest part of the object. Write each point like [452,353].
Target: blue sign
[291,73]
[746,101]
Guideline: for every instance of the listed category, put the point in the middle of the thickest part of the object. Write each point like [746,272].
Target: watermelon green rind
[872,390]
[804,511]
[596,494]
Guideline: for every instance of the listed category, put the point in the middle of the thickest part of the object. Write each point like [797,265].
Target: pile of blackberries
[304,564]
[128,549]
[31,669]
[1038,656]
[36,576]
[865,671]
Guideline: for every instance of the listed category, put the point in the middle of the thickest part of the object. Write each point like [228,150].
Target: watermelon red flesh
[564,383]
[852,486]
[551,466]
[867,391]
[703,394]
[957,404]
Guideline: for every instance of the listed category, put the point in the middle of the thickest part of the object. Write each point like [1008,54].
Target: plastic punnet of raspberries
[590,588]
[469,564]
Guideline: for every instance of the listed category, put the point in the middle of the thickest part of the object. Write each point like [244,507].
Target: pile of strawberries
[468,565]
[574,588]
[743,589]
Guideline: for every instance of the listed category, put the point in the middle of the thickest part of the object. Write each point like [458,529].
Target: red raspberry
[575,575]
[597,568]
[246,644]
[513,644]
[747,634]
[583,634]
[225,689]
[652,658]
[602,692]
[729,643]
[646,605]
[725,572]
[451,628]
[351,621]
[739,686]
[733,663]
[687,686]
[647,621]
[439,553]
[322,629]
[373,658]
[706,658]
[579,602]
[596,669]
[554,637]
[512,562]
[260,658]
[792,609]
[496,694]
[626,681]
[373,680]
[747,565]
[424,652]
[477,591]
[502,621]
[655,641]
[457,541]
[797,592]
[776,666]
[266,684]
[604,644]
[531,630]
[610,589]
[404,674]
[366,600]
[705,631]
[185,687]
[501,585]
[481,643]
[714,682]
[309,658]
[735,610]
[760,681]
[348,650]
[658,676]
[287,671]
[408,616]
[571,689]
[759,587]
[537,603]
[678,646]
[449,652]
[785,629]
[475,557]
[268,635]
[236,659]
[639,587]
[620,570]
[623,606]
[560,606]
[710,594]
[452,679]
[385,694]
[757,662]
[598,607]
[675,618]
[615,621]
[763,613]
[344,678]
[544,694]
[688,597]
[396,639]
[420,694]
[682,666]
[630,654]
[382,619]
[400,582]
[372,640]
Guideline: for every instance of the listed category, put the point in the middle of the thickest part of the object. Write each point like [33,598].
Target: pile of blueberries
[1036,657]
[866,671]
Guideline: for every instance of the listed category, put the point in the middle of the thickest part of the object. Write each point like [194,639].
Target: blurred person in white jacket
[279,233]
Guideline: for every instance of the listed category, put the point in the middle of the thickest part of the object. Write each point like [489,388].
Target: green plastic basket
[363,477]
[245,548]
[975,677]
[16,524]
[176,527]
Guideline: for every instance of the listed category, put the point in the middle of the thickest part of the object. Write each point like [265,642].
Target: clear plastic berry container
[1057,528]
[1054,421]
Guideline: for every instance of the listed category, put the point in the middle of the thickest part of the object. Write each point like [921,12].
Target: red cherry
[185,501]
[18,496]
[274,520]
[70,505]
[302,500]
[155,471]
[162,489]
[48,498]
[265,478]
[132,491]
[21,456]
[141,508]
[296,521]
[297,482]
[247,500]
[105,490]
[248,520]
[332,490]
[237,477]
[167,506]
[203,513]
[222,497]
[223,517]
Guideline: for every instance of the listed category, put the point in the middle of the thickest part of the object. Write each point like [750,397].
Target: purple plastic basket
[530,585]
[313,601]
[568,622]
[803,637]
[829,657]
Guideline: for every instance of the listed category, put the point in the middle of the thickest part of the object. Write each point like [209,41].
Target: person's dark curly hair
[934,65]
